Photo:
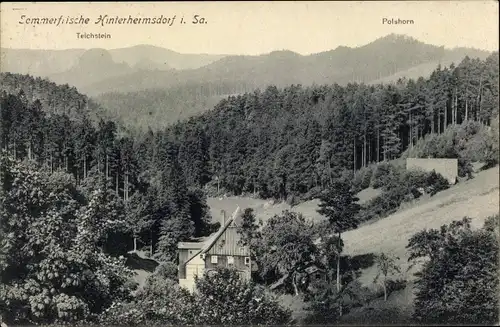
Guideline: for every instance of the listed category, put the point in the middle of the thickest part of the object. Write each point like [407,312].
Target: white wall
[446,167]
[195,267]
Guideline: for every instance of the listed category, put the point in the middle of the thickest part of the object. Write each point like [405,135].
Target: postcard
[249,163]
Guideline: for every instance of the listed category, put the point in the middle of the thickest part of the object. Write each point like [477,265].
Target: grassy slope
[477,198]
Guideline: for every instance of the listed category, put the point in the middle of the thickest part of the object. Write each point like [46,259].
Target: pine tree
[339,206]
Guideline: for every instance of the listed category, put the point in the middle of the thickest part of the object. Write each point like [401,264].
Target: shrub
[468,142]
[387,174]
[362,178]
[387,315]
[436,183]
[52,268]
[166,270]
[224,299]
[381,175]
[324,305]
[160,302]
[459,283]
[401,186]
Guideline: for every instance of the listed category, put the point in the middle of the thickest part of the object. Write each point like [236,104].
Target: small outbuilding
[448,168]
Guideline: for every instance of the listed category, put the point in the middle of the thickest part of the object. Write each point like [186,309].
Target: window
[213,259]
[230,260]
[247,260]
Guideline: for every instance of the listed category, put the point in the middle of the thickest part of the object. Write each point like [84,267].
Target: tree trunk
[370,151]
[456,108]
[135,243]
[478,109]
[364,150]
[433,122]
[385,289]
[151,248]
[294,283]
[338,275]
[445,116]
[354,154]
[410,132]
[384,155]
[84,166]
[439,122]
[107,166]
[466,109]
[128,187]
[330,177]
[378,144]
[338,263]
[124,187]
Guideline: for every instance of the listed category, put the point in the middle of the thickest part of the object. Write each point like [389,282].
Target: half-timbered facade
[222,249]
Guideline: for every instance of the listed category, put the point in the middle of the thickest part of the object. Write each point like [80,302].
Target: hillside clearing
[477,198]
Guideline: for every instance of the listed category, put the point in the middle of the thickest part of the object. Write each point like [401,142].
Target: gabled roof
[207,245]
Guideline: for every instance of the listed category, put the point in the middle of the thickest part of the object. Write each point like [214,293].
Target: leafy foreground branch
[52,268]
[221,299]
[459,284]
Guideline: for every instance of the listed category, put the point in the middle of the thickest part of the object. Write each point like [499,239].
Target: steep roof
[207,245]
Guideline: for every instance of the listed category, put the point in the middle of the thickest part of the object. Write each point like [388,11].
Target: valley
[144,186]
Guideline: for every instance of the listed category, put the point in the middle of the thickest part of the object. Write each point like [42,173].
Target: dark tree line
[275,143]
[160,207]
[295,141]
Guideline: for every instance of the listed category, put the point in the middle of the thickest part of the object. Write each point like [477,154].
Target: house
[222,249]
[446,167]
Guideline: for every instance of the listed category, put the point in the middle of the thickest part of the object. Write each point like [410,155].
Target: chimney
[223,218]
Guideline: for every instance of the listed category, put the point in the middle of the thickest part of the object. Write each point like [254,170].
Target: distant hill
[424,70]
[156,108]
[151,85]
[55,99]
[387,57]
[143,67]
[38,62]
[46,63]
[92,67]
[162,58]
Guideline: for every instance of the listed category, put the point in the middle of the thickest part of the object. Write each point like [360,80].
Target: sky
[254,27]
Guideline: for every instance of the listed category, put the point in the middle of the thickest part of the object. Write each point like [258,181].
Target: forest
[286,144]
[81,182]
